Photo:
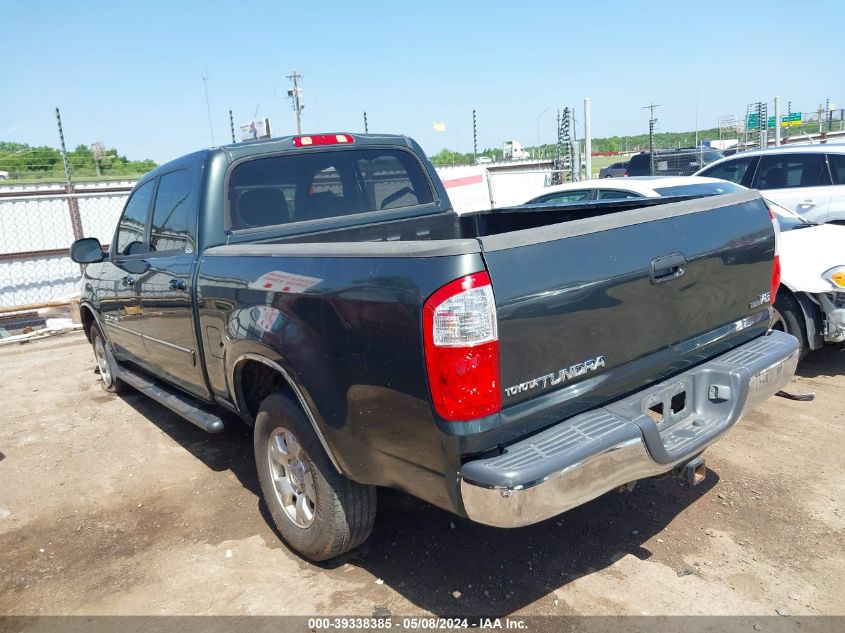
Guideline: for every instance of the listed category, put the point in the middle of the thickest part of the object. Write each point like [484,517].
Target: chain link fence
[38,228]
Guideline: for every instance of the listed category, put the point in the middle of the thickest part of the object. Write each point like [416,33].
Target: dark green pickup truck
[505,365]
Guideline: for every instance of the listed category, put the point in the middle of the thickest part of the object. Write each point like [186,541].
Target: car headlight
[835,276]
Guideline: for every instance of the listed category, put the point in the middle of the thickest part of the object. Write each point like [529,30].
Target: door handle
[806,205]
[178,284]
[667,267]
[127,281]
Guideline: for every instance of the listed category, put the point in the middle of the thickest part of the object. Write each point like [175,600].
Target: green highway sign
[793,118]
[752,121]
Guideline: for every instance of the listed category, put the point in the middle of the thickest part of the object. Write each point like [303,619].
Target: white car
[633,187]
[810,302]
[807,179]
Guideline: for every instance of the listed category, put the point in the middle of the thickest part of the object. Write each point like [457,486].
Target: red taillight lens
[462,349]
[323,139]
[775,278]
[776,264]
[625,175]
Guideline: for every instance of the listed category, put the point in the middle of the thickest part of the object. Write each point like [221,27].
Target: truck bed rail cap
[416,248]
[515,239]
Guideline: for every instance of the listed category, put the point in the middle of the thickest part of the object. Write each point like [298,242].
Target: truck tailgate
[593,309]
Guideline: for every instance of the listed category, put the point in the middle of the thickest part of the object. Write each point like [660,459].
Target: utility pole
[295,93]
[763,124]
[98,152]
[652,123]
[366,127]
[208,106]
[474,136]
[777,121]
[588,137]
[72,203]
[232,126]
[827,112]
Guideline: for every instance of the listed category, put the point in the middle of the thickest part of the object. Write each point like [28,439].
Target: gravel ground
[114,505]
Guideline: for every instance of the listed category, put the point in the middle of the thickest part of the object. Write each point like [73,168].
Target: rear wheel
[319,512]
[788,317]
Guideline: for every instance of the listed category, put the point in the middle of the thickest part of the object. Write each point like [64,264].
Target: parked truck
[505,365]
[512,150]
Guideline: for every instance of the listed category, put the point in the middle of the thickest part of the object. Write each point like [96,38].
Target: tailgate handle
[667,267]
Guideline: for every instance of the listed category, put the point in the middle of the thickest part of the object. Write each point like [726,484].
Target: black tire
[788,317]
[342,511]
[609,176]
[106,365]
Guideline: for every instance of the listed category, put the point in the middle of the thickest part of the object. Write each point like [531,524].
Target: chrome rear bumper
[587,455]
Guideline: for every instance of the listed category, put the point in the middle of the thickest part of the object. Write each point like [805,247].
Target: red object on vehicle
[776,264]
[323,139]
[462,349]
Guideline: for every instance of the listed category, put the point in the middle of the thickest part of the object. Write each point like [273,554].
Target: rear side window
[837,168]
[174,213]
[132,227]
[785,171]
[732,170]
[307,186]
[700,189]
[617,194]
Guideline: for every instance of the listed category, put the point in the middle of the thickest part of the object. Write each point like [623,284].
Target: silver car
[614,170]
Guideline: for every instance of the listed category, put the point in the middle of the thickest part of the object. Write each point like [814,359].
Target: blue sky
[130,74]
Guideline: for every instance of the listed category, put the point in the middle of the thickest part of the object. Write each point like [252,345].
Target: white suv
[807,179]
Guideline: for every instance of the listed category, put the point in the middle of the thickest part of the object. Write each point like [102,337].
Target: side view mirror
[88,250]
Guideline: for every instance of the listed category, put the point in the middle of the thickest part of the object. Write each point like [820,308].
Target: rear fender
[244,351]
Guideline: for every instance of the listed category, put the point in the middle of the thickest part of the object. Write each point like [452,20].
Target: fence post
[588,138]
[72,203]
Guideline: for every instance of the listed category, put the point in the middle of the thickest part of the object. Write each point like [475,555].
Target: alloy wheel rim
[778,322]
[293,481]
[102,361]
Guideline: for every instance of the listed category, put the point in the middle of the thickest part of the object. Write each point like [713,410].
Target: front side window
[299,187]
[786,171]
[563,196]
[133,223]
[732,170]
[174,213]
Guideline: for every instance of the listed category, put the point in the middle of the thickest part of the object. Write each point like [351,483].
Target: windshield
[700,189]
[788,220]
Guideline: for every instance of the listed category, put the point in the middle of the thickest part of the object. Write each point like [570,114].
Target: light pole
[208,105]
[539,116]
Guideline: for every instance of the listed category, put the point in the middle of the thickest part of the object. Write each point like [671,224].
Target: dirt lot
[117,506]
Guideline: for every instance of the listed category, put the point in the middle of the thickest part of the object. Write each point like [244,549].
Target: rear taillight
[323,139]
[776,265]
[625,175]
[462,349]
